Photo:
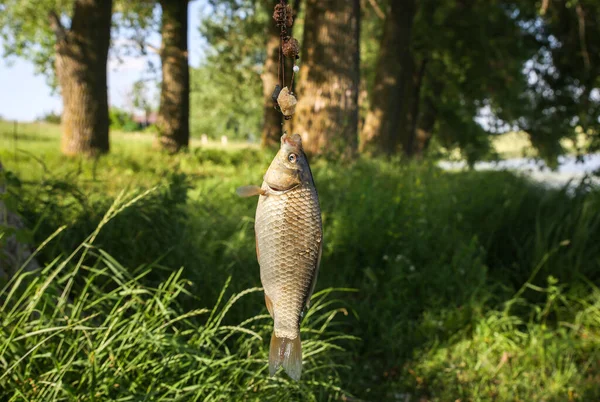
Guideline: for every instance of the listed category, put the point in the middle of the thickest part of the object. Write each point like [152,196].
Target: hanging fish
[288,247]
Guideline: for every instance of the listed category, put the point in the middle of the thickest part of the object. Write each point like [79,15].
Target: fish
[289,243]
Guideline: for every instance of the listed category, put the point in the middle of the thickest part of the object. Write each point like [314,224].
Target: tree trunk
[174,113]
[424,130]
[388,123]
[410,143]
[327,111]
[81,59]
[427,117]
[272,118]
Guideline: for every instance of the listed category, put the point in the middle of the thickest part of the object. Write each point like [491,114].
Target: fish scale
[288,246]
[288,232]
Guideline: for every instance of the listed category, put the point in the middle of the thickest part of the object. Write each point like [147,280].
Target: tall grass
[470,286]
[110,337]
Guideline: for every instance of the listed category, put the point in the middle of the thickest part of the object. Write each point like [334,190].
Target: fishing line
[284,99]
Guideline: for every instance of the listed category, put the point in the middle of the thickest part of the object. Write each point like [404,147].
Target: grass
[470,285]
[518,145]
[111,336]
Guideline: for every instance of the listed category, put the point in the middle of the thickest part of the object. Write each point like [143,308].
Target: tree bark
[272,118]
[81,59]
[174,112]
[327,111]
[388,122]
[424,130]
[427,117]
[411,142]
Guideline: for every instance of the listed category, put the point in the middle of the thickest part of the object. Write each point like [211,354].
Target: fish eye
[292,158]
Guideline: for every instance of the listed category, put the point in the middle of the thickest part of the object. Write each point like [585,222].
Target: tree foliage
[26,32]
[529,66]
[474,52]
[226,90]
[142,97]
[561,97]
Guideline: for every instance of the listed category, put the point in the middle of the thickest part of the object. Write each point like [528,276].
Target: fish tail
[287,353]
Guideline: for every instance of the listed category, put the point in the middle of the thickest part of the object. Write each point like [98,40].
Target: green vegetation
[226,90]
[114,313]
[122,120]
[471,286]
[110,336]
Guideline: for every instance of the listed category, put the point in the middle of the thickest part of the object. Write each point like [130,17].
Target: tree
[388,120]
[327,111]
[533,68]
[141,99]
[174,111]
[73,57]
[460,57]
[141,17]
[227,88]
[244,46]
[561,98]
[272,118]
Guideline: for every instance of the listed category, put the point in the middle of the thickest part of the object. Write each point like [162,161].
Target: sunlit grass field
[434,286]
[518,145]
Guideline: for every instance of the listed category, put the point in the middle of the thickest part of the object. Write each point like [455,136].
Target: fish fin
[249,191]
[287,353]
[269,304]
[314,279]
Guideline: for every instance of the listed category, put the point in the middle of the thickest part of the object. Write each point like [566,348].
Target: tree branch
[586,54]
[143,46]
[544,8]
[152,48]
[378,9]
[57,26]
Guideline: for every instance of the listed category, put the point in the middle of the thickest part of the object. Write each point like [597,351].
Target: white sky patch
[25,96]
[483,117]
[128,64]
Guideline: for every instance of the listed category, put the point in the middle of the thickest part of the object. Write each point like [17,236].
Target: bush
[551,356]
[121,120]
[53,118]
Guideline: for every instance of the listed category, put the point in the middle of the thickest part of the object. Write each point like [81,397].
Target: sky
[25,96]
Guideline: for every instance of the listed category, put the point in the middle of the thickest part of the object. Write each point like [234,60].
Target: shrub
[51,117]
[121,120]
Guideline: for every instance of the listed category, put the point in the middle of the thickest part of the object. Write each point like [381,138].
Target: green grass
[87,328]
[517,145]
[471,285]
